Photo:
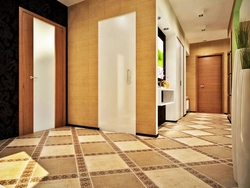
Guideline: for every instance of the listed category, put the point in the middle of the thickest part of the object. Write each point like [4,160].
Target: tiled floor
[195,152]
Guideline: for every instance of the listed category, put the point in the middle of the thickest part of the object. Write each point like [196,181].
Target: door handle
[202,85]
[128,76]
[33,77]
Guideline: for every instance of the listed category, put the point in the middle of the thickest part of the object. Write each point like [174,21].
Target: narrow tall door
[117,74]
[210,84]
[41,74]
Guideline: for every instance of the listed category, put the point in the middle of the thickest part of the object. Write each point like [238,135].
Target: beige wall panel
[112,8]
[96,9]
[128,6]
[84,18]
[202,49]
[93,30]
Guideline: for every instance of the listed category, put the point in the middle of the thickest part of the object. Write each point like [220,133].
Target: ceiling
[215,19]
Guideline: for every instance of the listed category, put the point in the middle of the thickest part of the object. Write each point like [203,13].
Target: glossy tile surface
[194,152]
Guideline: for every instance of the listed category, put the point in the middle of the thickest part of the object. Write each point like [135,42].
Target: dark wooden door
[210,84]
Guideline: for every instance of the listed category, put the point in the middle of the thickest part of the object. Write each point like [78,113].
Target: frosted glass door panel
[117,74]
[44,75]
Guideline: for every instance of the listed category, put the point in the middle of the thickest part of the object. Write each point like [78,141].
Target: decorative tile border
[9,182]
[83,174]
[40,145]
[110,172]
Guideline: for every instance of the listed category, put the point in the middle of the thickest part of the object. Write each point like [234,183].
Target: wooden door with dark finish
[209,84]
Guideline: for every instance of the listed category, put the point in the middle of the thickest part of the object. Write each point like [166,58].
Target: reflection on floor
[195,152]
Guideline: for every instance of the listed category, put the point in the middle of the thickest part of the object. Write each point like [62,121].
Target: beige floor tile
[148,158]
[164,129]
[179,127]
[131,145]
[203,119]
[197,132]
[59,140]
[83,131]
[64,183]
[218,126]
[25,142]
[120,137]
[218,151]
[127,180]
[12,170]
[193,141]
[219,131]
[39,171]
[220,173]
[173,134]
[199,126]
[59,133]
[187,155]
[57,150]
[201,122]
[175,178]
[11,151]
[164,143]
[91,138]
[92,148]
[59,165]
[218,139]
[104,162]
[19,155]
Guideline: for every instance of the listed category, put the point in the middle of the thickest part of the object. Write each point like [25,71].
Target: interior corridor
[195,152]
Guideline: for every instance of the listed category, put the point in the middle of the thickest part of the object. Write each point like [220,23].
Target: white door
[43,75]
[117,74]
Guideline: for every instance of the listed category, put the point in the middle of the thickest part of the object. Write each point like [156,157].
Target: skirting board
[83,126]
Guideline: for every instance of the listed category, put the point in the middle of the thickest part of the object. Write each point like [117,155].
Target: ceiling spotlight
[203,28]
[166,28]
[201,13]
[159,17]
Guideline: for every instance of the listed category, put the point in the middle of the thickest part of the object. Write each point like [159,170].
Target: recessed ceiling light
[201,13]
[166,28]
[159,17]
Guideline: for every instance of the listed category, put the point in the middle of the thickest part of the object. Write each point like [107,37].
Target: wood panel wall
[83,60]
[203,49]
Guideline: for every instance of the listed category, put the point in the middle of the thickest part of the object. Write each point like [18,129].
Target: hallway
[195,152]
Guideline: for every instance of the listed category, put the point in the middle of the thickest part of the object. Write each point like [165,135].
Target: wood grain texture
[210,84]
[60,92]
[91,12]
[26,70]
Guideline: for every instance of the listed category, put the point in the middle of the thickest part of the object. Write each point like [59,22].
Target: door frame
[26,84]
[197,78]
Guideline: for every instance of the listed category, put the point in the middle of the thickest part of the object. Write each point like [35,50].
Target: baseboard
[172,121]
[148,135]
[83,126]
